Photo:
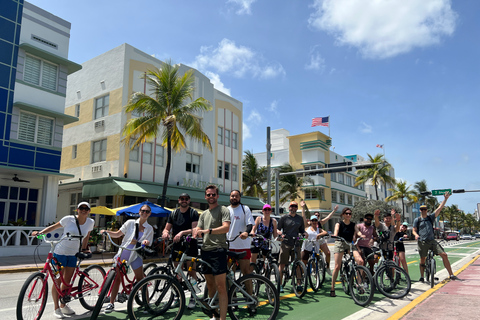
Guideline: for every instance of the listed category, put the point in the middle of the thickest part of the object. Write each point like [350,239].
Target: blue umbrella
[132,211]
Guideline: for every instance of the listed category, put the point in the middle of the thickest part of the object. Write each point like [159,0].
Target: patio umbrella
[103,210]
[132,210]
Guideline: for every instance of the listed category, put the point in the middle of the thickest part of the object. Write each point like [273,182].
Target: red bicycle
[34,293]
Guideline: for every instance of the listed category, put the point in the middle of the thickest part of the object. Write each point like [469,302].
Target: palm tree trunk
[403,208]
[167,171]
[376,189]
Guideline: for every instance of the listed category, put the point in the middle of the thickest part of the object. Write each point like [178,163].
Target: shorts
[66,261]
[286,252]
[387,254]
[341,247]
[423,247]
[366,251]
[135,264]
[217,259]
[306,254]
[321,241]
[400,247]
[178,246]
[247,256]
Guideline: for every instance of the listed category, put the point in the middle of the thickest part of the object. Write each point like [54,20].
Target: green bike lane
[313,305]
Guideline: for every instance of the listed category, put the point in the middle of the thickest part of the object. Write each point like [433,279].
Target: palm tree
[253,176]
[291,185]
[376,174]
[451,213]
[421,187]
[170,107]
[402,191]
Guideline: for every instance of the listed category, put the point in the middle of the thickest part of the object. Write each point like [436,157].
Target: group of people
[218,224]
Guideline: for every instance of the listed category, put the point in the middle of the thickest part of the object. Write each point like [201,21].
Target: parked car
[477,235]
[466,237]
[452,236]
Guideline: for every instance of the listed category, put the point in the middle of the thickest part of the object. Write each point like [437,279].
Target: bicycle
[267,264]
[316,267]
[152,296]
[431,266]
[299,282]
[390,279]
[356,280]
[118,267]
[34,292]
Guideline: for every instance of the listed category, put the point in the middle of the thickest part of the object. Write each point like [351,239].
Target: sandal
[332,293]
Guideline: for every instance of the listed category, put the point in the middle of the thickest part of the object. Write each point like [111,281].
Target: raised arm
[376,214]
[324,220]
[440,207]
[303,205]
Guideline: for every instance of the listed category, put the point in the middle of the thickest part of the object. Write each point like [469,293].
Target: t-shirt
[211,219]
[387,245]
[239,219]
[182,221]
[70,247]
[425,227]
[312,235]
[291,227]
[368,232]
[400,245]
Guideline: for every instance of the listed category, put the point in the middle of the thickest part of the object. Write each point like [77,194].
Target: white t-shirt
[312,235]
[70,247]
[238,223]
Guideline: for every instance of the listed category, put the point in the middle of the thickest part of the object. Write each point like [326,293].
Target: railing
[16,241]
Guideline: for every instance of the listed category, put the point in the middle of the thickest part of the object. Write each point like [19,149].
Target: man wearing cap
[386,231]
[423,232]
[364,245]
[402,234]
[181,222]
[291,225]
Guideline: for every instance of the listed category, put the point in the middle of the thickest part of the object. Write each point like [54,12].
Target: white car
[466,237]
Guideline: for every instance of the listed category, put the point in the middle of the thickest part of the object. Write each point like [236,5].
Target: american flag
[380,146]
[320,121]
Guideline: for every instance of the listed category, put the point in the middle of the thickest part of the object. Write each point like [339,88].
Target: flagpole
[329,127]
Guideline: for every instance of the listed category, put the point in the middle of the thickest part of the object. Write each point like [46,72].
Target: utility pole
[269,177]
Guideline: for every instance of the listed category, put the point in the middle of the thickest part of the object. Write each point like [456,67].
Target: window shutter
[45,130]
[49,76]
[26,128]
[32,70]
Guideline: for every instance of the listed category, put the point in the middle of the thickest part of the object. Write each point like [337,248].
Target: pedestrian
[65,251]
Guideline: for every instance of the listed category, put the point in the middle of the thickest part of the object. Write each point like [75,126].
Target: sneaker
[329,272]
[58,314]
[110,307]
[175,303]
[281,289]
[67,310]
[454,277]
[421,280]
[191,303]
[299,289]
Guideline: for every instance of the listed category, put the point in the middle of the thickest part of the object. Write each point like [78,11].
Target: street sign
[441,192]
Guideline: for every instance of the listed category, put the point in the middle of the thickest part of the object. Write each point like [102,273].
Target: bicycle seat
[83,256]
[236,255]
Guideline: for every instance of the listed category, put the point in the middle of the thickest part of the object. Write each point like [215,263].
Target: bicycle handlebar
[123,247]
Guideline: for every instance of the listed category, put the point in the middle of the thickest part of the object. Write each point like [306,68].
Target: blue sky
[401,73]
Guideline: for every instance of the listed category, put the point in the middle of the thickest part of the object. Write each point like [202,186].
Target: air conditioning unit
[99,124]
[97,169]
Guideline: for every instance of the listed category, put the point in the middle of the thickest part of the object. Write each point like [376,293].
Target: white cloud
[215,79]
[255,117]
[273,106]
[365,128]
[245,6]
[384,28]
[246,132]
[316,61]
[239,61]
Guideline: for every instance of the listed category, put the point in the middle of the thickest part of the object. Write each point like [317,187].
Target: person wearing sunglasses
[65,251]
[315,233]
[181,222]
[135,232]
[366,243]
[347,230]
[266,227]
[386,230]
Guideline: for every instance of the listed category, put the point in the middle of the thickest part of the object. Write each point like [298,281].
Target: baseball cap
[423,206]
[184,195]
[368,215]
[405,223]
[267,206]
[84,203]
[313,217]
[293,203]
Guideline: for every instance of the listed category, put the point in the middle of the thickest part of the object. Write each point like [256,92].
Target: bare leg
[403,261]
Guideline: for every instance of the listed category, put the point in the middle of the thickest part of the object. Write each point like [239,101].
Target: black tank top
[346,231]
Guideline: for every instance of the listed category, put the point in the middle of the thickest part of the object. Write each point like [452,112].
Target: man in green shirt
[213,226]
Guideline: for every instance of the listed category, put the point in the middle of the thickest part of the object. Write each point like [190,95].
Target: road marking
[427,293]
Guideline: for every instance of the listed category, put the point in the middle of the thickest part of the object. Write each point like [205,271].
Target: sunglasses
[267,209]
[84,208]
[211,194]
[293,206]
[423,209]
[349,213]
[184,199]
[147,211]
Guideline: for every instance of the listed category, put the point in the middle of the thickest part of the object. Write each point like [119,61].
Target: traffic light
[339,167]
[458,191]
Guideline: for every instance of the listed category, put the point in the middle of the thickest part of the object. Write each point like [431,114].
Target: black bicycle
[267,264]
[431,266]
[296,272]
[316,267]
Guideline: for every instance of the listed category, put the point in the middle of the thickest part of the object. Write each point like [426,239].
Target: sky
[401,73]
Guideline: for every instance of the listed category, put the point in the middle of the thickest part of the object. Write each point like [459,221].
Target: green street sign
[441,192]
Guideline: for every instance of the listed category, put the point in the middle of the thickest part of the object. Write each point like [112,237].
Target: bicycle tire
[361,285]
[92,278]
[265,304]
[157,307]
[427,269]
[149,267]
[433,263]
[299,289]
[394,285]
[37,285]
[254,268]
[313,275]
[161,270]
[273,274]
[322,268]
[103,293]
[344,275]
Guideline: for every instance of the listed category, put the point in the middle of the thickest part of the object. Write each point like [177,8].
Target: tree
[169,112]
[361,208]
[291,185]
[253,176]
[421,187]
[451,214]
[402,191]
[376,174]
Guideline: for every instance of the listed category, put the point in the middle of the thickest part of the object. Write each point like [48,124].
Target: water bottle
[56,268]
[194,284]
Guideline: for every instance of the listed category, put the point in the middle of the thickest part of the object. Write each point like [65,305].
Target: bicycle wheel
[313,275]
[427,269]
[33,297]
[344,278]
[264,305]
[299,278]
[254,268]
[149,267]
[155,300]
[273,274]
[89,284]
[361,285]
[322,268]
[103,293]
[392,281]
[433,265]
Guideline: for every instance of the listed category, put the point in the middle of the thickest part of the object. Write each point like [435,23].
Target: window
[99,151]
[234,140]
[36,129]
[193,163]
[348,180]
[333,177]
[220,135]
[313,167]
[40,73]
[234,173]
[147,153]
[227,138]
[342,197]
[74,151]
[101,106]
[134,154]
[340,178]
[334,196]
[349,199]
[159,154]
[312,193]
[220,168]
[227,171]
[77,110]
[18,203]
[75,199]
